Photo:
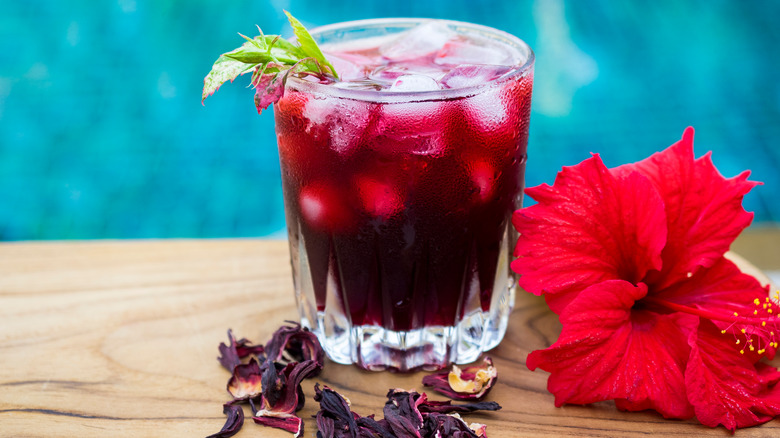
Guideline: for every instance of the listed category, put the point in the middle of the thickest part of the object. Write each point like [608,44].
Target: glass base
[430,348]
[480,326]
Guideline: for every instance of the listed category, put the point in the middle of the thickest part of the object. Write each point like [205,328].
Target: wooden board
[120,339]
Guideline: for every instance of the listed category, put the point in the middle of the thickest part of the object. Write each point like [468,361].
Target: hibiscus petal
[724,386]
[446,407]
[246,381]
[294,343]
[721,291]
[233,423]
[289,423]
[334,410]
[704,210]
[588,227]
[451,426]
[468,383]
[608,350]
[402,412]
[288,393]
[228,354]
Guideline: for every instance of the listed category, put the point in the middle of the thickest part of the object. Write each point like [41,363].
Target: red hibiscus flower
[654,316]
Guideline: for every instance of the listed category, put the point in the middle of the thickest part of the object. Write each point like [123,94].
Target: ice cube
[389,73]
[344,119]
[489,111]
[469,75]
[424,40]
[323,207]
[415,83]
[316,111]
[474,51]
[483,177]
[312,206]
[350,66]
[379,198]
[411,127]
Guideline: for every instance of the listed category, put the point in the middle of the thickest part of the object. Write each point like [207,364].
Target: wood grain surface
[112,339]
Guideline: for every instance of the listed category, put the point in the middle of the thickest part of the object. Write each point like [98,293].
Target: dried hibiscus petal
[368,426]
[450,426]
[230,355]
[408,414]
[469,383]
[233,423]
[283,396]
[289,423]
[294,344]
[446,407]
[246,382]
[334,413]
[273,381]
[479,429]
[402,413]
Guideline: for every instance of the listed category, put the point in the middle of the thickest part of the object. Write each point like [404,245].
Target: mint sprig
[271,58]
[308,45]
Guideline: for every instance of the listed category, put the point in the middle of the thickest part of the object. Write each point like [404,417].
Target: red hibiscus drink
[399,182]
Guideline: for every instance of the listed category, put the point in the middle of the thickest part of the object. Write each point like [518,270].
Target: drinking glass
[399,204]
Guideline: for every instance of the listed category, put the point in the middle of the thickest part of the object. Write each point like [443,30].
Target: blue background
[102,134]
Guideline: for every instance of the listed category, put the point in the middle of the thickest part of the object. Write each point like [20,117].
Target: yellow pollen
[738,341]
[751,348]
[755,312]
[743,330]
[756,302]
[736,314]
[763,323]
[723,332]
[741,351]
[764,306]
[769,310]
[761,351]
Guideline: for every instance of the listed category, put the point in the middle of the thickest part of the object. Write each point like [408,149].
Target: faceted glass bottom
[484,315]
[429,348]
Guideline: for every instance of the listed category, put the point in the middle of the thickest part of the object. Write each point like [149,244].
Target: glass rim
[383,96]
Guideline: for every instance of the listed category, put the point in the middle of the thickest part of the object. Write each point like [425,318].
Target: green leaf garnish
[270,58]
[308,45]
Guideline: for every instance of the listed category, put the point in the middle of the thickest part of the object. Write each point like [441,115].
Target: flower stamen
[756,331]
